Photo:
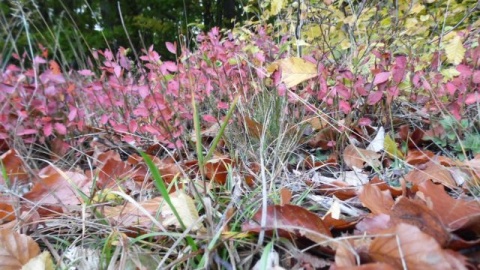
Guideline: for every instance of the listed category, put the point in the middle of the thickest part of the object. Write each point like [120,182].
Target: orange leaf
[432,171]
[454,213]
[379,202]
[254,128]
[285,196]
[338,224]
[16,249]
[416,157]
[407,244]
[216,169]
[417,214]
[58,188]
[54,67]
[290,220]
[368,266]
[7,212]
[112,169]
[359,158]
[14,167]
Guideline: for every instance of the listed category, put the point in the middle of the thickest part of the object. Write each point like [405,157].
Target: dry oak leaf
[355,157]
[16,249]
[434,171]
[407,247]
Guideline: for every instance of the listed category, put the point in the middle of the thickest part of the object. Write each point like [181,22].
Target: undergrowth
[276,137]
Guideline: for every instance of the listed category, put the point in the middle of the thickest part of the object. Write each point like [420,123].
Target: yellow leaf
[449,73]
[186,209]
[417,8]
[302,42]
[391,148]
[455,51]
[345,44]
[295,70]
[275,7]
[42,261]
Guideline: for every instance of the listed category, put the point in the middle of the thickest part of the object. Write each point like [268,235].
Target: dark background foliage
[71,28]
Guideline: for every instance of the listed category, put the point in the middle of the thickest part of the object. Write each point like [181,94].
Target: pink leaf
[133,126]
[39,60]
[426,85]
[374,97]
[173,87]
[104,119]
[118,71]
[47,129]
[171,47]
[73,113]
[26,132]
[168,66]
[60,128]
[451,88]
[121,128]
[4,88]
[476,76]
[365,121]
[282,90]
[472,98]
[209,118]
[466,71]
[150,129]
[86,72]
[345,106]
[222,105]
[381,78]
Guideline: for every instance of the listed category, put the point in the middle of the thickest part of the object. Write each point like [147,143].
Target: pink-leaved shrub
[151,99]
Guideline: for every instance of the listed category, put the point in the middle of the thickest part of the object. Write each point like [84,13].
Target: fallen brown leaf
[355,157]
[406,246]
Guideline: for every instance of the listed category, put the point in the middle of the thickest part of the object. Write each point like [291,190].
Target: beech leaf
[407,244]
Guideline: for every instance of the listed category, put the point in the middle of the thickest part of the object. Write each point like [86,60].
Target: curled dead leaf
[355,157]
[290,220]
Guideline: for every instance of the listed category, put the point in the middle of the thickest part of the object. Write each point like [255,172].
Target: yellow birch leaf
[455,51]
[295,70]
